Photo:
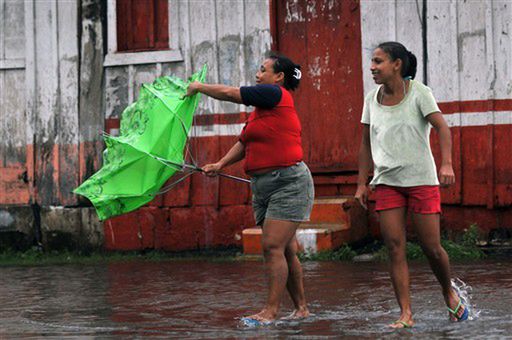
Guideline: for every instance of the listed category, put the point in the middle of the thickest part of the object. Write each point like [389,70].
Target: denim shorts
[283,194]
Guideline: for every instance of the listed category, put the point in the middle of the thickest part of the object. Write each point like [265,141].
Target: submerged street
[199,299]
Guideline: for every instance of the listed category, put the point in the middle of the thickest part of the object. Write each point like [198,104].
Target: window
[142,25]
[142,32]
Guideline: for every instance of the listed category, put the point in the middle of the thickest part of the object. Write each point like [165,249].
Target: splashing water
[464,291]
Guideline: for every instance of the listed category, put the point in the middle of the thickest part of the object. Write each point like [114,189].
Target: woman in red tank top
[281,183]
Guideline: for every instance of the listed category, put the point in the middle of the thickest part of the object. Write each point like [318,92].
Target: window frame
[115,58]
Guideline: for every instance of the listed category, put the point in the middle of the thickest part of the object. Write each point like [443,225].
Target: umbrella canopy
[149,150]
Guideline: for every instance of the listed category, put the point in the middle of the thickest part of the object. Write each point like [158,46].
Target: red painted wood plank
[503,165]
[232,192]
[452,194]
[13,189]
[69,174]
[178,196]
[476,105]
[204,189]
[474,151]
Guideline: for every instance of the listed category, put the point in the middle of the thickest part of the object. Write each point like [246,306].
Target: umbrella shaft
[198,169]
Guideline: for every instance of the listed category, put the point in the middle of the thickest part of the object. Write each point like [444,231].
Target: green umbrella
[149,150]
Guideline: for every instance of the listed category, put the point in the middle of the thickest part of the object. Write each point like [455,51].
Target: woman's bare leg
[392,226]
[427,227]
[276,236]
[295,283]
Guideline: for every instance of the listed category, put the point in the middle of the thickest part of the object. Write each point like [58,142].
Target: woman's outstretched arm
[217,91]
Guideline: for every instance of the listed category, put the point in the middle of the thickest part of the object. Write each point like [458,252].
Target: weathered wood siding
[13,133]
[62,83]
[40,98]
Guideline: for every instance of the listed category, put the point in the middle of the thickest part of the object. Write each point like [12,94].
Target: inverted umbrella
[149,150]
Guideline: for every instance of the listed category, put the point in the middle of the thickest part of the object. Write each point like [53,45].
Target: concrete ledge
[60,228]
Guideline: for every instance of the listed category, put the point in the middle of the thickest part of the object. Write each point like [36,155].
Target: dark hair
[291,70]
[395,50]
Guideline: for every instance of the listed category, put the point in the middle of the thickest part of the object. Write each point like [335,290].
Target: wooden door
[324,37]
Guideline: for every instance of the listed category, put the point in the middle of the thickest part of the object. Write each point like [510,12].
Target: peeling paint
[293,12]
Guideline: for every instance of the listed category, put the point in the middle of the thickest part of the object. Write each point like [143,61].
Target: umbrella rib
[173,184]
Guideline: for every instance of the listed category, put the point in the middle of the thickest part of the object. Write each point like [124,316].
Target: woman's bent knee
[434,252]
[271,250]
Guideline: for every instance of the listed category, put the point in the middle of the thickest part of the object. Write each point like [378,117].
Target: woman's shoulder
[418,86]
[371,95]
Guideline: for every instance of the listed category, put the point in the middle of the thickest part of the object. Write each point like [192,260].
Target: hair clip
[297,75]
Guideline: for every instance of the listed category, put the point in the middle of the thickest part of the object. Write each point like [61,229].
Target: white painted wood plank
[378,24]
[230,47]
[502,36]
[442,50]
[116,91]
[68,71]
[13,107]
[46,62]
[3,119]
[30,72]
[216,130]
[2,29]
[174,24]
[131,84]
[472,55]
[489,50]
[257,40]
[409,30]
[111,27]
[14,30]
[92,92]
[203,37]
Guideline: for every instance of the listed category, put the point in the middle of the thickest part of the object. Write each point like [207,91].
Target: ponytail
[291,71]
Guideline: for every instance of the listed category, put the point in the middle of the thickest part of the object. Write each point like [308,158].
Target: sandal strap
[454,311]
[403,323]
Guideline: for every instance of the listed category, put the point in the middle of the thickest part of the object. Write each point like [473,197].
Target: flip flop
[454,312]
[251,322]
[403,323]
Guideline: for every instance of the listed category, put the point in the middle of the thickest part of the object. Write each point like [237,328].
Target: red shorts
[422,199]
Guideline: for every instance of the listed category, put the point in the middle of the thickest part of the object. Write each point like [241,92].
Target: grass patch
[345,253]
[35,257]
[465,249]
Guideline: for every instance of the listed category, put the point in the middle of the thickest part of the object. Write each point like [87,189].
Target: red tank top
[272,137]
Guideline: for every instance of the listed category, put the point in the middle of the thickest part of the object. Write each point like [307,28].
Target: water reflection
[203,299]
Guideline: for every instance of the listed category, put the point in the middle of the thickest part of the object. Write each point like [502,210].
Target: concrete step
[312,238]
[334,221]
[330,210]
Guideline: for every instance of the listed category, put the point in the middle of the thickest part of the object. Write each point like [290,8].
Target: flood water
[198,299]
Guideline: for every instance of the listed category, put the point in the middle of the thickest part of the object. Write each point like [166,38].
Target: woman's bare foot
[300,313]
[265,316]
